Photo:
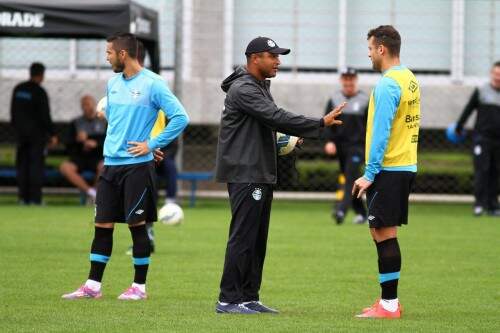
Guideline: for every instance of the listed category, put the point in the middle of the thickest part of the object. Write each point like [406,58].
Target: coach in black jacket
[246,161]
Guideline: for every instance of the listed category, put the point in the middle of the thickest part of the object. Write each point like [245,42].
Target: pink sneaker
[83,292]
[132,294]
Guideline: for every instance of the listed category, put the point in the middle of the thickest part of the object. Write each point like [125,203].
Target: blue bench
[191,176]
[51,173]
[194,177]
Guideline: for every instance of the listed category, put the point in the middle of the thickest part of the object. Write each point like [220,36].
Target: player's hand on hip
[158,155]
[360,186]
[331,118]
[138,148]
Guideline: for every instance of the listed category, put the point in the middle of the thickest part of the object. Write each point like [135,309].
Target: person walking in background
[348,142]
[486,138]
[85,145]
[30,117]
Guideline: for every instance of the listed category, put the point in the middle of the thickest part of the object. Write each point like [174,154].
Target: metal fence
[450,45]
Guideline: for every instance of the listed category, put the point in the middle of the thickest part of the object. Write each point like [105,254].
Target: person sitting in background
[85,145]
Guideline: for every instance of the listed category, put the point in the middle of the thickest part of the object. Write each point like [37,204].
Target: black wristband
[321,122]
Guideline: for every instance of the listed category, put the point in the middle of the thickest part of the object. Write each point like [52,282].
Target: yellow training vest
[402,146]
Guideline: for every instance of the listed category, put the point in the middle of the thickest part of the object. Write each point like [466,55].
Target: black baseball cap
[264,44]
[348,71]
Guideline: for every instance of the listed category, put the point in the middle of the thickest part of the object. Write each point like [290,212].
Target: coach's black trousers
[486,173]
[246,246]
[30,162]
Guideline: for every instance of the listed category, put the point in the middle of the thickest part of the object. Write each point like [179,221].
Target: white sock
[142,287]
[91,192]
[390,305]
[169,200]
[94,285]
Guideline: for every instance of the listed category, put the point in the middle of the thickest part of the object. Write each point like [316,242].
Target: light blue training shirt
[387,95]
[132,109]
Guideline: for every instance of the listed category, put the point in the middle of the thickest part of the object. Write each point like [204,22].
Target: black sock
[100,252]
[141,250]
[389,266]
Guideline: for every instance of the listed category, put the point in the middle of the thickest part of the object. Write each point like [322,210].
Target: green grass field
[318,274]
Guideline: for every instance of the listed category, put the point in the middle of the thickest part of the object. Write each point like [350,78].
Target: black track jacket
[246,151]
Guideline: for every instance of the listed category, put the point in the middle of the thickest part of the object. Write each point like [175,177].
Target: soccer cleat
[132,294]
[373,306]
[83,292]
[378,311]
[234,308]
[259,307]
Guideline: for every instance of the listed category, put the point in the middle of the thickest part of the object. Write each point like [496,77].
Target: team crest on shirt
[257,194]
[135,93]
[413,86]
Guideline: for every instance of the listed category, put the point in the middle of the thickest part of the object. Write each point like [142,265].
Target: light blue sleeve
[387,94]
[162,98]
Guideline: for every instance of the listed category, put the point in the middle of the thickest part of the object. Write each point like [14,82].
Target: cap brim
[279,50]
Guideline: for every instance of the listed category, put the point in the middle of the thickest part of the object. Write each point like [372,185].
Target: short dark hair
[388,36]
[37,69]
[496,64]
[249,56]
[124,41]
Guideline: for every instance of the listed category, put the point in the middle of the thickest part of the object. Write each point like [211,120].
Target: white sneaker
[359,219]
[478,211]
[133,294]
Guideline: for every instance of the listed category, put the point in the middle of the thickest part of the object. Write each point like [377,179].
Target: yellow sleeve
[159,124]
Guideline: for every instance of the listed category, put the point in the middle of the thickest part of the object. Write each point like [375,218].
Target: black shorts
[387,198]
[86,163]
[126,194]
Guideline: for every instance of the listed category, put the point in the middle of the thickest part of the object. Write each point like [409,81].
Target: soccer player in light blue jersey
[126,190]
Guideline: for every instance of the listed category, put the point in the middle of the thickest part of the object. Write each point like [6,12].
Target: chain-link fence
[450,45]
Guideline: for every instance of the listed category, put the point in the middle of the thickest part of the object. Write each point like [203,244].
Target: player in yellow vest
[391,161]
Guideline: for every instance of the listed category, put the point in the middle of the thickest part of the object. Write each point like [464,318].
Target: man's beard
[376,66]
[118,67]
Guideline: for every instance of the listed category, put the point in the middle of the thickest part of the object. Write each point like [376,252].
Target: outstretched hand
[331,118]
